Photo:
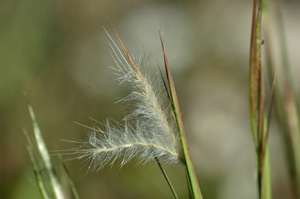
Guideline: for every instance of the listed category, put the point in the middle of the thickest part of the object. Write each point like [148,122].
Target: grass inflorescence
[147,132]
[153,129]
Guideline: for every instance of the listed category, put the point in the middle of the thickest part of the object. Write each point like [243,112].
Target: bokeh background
[57,51]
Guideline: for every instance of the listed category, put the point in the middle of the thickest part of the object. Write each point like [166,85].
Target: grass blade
[45,157]
[182,134]
[259,117]
[253,75]
[34,162]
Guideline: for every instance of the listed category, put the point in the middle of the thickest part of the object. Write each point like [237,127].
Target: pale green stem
[45,156]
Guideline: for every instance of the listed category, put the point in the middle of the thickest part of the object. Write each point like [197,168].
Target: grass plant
[49,184]
[154,130]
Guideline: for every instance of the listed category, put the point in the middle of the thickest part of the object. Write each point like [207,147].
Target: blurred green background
[58,52]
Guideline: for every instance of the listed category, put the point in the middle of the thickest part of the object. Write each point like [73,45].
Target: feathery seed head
[149,130]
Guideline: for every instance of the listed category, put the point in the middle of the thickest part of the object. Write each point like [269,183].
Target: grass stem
[166,177]
[182,134]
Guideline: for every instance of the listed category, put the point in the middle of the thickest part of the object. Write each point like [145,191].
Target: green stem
[166,177]
[187,159]
[266,178]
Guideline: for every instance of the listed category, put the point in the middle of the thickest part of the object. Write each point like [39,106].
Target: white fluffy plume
[148,131]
